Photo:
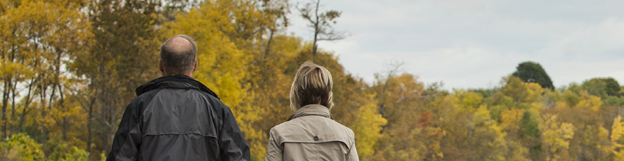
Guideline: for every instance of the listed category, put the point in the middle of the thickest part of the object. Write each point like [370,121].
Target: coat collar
[311,110]
[174,82]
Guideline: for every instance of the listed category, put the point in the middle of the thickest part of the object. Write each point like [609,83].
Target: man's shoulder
[152,93]
[197,95]
[147,96]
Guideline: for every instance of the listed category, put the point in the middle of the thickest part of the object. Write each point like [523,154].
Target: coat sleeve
[128,137]
[353,156]
[274,150]
[231,141]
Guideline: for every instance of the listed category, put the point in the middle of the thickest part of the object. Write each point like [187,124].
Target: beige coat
[311,134]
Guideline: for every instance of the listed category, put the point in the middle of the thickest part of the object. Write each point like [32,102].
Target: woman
[311,133]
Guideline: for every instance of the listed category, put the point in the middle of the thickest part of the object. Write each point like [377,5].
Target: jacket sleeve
[231,141]
[274,150]
[128,137]
[353,156]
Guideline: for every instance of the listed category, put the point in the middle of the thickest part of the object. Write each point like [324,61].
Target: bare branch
[320,22]
[332,35]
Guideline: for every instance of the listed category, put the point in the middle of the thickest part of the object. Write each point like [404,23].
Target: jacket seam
[178,134]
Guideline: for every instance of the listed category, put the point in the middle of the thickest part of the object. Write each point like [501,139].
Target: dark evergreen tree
[533,72]
[613,87]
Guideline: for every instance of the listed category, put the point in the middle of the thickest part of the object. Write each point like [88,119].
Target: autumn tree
[39,38]
[239,62]
[121,57]
[487,138]
[556,137]
[616,135]
[321,23]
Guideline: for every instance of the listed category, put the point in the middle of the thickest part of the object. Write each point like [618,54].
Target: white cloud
[473,43]
[603,41]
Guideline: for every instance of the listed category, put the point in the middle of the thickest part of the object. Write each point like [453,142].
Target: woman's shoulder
[318,125]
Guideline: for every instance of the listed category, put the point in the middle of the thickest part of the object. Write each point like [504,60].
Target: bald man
[176,117]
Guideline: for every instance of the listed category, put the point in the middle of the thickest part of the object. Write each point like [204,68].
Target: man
[176,117]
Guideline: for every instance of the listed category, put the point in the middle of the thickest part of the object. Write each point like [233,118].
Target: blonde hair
[312,85]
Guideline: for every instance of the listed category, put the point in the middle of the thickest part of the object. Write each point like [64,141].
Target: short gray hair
[312,85]
[178,58]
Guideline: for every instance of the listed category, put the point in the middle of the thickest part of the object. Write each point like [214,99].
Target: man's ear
[161,67]
[195,66]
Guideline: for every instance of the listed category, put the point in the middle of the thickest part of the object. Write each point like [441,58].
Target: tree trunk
[26,104]
[11,128]
[61,105]
[317,30]
[5,103]
[43,115]
[89,132]
[268,47]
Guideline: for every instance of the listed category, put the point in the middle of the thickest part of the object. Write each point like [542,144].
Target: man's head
[177,56]
[312,85]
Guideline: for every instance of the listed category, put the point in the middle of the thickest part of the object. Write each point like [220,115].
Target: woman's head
[312,85]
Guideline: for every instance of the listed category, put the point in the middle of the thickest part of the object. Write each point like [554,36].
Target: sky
[469,44]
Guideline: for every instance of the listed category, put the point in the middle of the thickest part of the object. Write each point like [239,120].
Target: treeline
[68,68]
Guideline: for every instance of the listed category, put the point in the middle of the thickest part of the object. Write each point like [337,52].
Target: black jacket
[178,118]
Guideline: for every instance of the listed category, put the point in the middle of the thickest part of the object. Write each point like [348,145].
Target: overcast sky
[474,43]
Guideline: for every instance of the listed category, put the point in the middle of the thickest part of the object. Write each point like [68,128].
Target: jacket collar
[311,110]
[174,82]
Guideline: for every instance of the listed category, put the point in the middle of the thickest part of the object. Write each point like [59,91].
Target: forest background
[68,69]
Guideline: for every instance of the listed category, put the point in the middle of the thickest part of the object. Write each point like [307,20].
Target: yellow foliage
[397,94]
[616,135]
[367,128]
[436,135]
[522,92]
[469,100]
[488,136]
[556,136]
[603,133]
[589,101]
[510,118]
[560,105]
[482,117]
[533,92]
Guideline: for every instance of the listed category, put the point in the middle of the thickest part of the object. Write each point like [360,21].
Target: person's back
[311,133]
[176,117]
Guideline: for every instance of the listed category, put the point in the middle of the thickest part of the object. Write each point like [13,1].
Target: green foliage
[65,152]
[530,125]
[602,87]
[613,101]
[20,147]
[496,111]
[533,72]
[613,87]
[571,98]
